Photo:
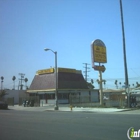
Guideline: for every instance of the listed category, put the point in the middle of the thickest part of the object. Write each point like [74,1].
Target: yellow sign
[99,54]
[66,70]
[51,70]
[45,71]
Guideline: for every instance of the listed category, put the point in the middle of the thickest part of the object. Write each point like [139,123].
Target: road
[55,125]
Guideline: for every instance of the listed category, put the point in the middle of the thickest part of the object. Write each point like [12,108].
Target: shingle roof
[65,81]
[71,81]
[45,81]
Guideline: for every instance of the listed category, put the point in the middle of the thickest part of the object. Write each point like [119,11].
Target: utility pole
[86,71]
[124,53]
[21,79]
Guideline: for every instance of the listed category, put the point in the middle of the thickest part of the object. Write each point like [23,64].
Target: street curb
[129,110]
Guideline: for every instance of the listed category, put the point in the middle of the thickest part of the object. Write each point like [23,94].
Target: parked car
[3,105]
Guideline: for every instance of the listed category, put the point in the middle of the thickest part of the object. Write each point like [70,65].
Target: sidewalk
[68,109]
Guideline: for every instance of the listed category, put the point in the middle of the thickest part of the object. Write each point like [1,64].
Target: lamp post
[56,80]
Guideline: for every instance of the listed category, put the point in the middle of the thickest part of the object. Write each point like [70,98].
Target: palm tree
[90,86]
[138,85]
[120,83]
[2,78]
[104,81]
[116,83]
[26,80]
[14,78]
[133,85]
[98,81]
[92,81]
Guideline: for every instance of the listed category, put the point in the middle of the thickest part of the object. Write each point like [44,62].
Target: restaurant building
[70,82]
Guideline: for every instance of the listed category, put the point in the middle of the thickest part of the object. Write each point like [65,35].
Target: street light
[56,98]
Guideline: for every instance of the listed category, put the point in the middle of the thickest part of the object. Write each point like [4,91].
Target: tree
[116,83]
[90,86]
[98,81]
[14,78]
[124,83]
[92,81]
[133,85]
[2,78]
[137,84]
[104,81]
[26,80]
[120,83]
[2,93]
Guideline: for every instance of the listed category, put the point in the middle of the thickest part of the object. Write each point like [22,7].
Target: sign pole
[98,54]
[101,87]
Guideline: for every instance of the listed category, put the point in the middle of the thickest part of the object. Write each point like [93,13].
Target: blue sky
[68,27]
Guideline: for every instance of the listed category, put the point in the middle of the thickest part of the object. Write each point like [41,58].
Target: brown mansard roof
[66,80]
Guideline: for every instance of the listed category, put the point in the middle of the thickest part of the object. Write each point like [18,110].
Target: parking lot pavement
[66,108]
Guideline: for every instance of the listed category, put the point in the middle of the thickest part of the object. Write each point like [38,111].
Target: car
[3,105]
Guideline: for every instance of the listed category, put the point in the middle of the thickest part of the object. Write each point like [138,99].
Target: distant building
[13,97]
[135,91]
[70,82]
[114,97]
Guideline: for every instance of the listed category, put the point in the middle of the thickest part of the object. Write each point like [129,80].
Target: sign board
[51,70]
[100,68]
[98,52]
[45,71]
[66,70]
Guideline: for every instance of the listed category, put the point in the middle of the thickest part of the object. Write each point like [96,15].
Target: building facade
[70,83]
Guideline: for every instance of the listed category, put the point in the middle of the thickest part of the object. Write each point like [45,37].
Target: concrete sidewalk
[68,109]
[81,109]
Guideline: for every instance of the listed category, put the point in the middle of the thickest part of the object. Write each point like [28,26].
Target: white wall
[86,93]
[15,94]
[63,101]
[94,96]
[51,101]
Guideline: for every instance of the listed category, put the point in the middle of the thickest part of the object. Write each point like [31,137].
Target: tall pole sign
[98,55]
